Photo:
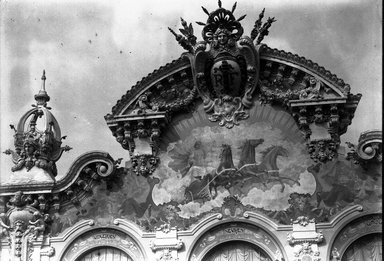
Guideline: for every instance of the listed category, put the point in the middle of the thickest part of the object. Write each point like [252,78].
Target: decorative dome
[37,148]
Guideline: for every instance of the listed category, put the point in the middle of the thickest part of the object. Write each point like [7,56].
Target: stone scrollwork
[307,251]
[368,150]
[227,74]
[84,174]
[303,221]
[23,222]
[228,111]
[232,207]
[144,164]
[322,150]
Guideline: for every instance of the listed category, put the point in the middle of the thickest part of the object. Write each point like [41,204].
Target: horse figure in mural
[248,171]
[205,188]
[267,171]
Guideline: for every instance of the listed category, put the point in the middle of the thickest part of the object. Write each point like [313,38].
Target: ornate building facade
[234,155]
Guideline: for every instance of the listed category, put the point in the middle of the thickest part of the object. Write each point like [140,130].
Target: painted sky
[94,51]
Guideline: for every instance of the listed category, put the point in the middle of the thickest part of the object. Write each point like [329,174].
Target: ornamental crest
[225,65]
[37,150]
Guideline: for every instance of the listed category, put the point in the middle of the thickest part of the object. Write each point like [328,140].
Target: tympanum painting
[261,166]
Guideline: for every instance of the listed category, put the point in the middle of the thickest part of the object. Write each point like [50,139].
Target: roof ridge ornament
[36,151]
[227,74]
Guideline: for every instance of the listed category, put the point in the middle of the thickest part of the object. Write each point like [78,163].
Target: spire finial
[43,78]
[42,97]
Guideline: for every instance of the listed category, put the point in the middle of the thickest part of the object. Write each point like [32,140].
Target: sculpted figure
[222,39]
[4,228]
[37,227]
[28,155]
[225,63]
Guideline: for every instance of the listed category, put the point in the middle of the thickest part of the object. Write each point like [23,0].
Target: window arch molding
[85,237]
[353,230]
[254,228]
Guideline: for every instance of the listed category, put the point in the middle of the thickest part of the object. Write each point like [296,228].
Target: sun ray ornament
[227,74]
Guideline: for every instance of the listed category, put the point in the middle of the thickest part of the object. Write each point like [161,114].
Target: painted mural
[260,166]
[253,162]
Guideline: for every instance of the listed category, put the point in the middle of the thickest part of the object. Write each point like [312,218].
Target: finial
[43,83]
[42,97]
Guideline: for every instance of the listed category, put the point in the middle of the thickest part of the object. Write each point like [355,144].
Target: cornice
[146,82]
[342,217]
[295,60]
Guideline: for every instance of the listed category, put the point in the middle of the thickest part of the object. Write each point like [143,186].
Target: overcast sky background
[94,51]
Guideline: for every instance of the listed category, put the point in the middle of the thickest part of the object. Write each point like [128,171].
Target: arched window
[236,251]
[366,248]
[105,254]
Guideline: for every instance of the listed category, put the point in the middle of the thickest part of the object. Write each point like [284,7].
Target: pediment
[294,77]
[287,80]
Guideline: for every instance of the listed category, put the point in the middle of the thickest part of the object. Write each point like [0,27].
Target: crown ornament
[34,147]
[225,65]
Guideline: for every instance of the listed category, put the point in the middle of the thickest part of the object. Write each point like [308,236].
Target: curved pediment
[307,91]
[293,66]
[295,70]
[164,75]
